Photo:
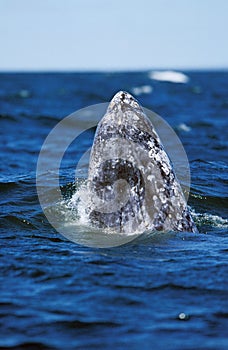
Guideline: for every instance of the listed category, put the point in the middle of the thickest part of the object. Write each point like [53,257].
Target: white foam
[184,127]
[144,89]
[24,93]
[81,201]
[170,76]
[210,219]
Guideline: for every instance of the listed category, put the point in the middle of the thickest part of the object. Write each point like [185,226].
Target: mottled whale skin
[132,185]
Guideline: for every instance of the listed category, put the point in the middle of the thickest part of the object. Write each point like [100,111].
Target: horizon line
[113,70]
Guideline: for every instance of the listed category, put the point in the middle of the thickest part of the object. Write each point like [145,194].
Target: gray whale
[132,185]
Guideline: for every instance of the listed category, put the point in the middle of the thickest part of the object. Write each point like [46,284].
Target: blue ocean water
[166,291]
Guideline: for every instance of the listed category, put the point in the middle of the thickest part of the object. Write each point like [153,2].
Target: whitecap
[209,219]
[170,76]
[184,127]
[144,89]
[24,93]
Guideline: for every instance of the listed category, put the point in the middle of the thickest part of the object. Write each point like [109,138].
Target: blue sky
[113,34]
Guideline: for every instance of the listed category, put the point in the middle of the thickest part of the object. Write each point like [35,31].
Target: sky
[108,35]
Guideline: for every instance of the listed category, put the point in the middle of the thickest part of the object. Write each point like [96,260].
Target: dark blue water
[164,291]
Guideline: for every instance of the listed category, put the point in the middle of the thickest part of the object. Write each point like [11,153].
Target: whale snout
[123,99]
[122,96]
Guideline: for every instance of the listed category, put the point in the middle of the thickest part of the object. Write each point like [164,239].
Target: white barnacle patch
[157,156]
[119,122]
[151,153]
[178,216]
[165,168]
[150,177]
[134,104]
[135,118]
[162,196]
[150,144]
[131,159]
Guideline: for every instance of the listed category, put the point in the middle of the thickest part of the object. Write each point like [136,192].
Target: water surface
[159,291]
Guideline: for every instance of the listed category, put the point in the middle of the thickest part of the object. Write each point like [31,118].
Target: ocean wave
[27,345]
[207,219]
[8,117]
[144,89]
[169,76]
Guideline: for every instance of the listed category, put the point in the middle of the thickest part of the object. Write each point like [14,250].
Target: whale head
[132,185]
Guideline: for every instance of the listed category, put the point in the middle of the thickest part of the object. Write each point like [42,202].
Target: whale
[132,186]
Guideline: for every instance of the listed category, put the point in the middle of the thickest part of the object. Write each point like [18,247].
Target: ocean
[162,291]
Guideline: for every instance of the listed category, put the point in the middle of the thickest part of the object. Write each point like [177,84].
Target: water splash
[207,219]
